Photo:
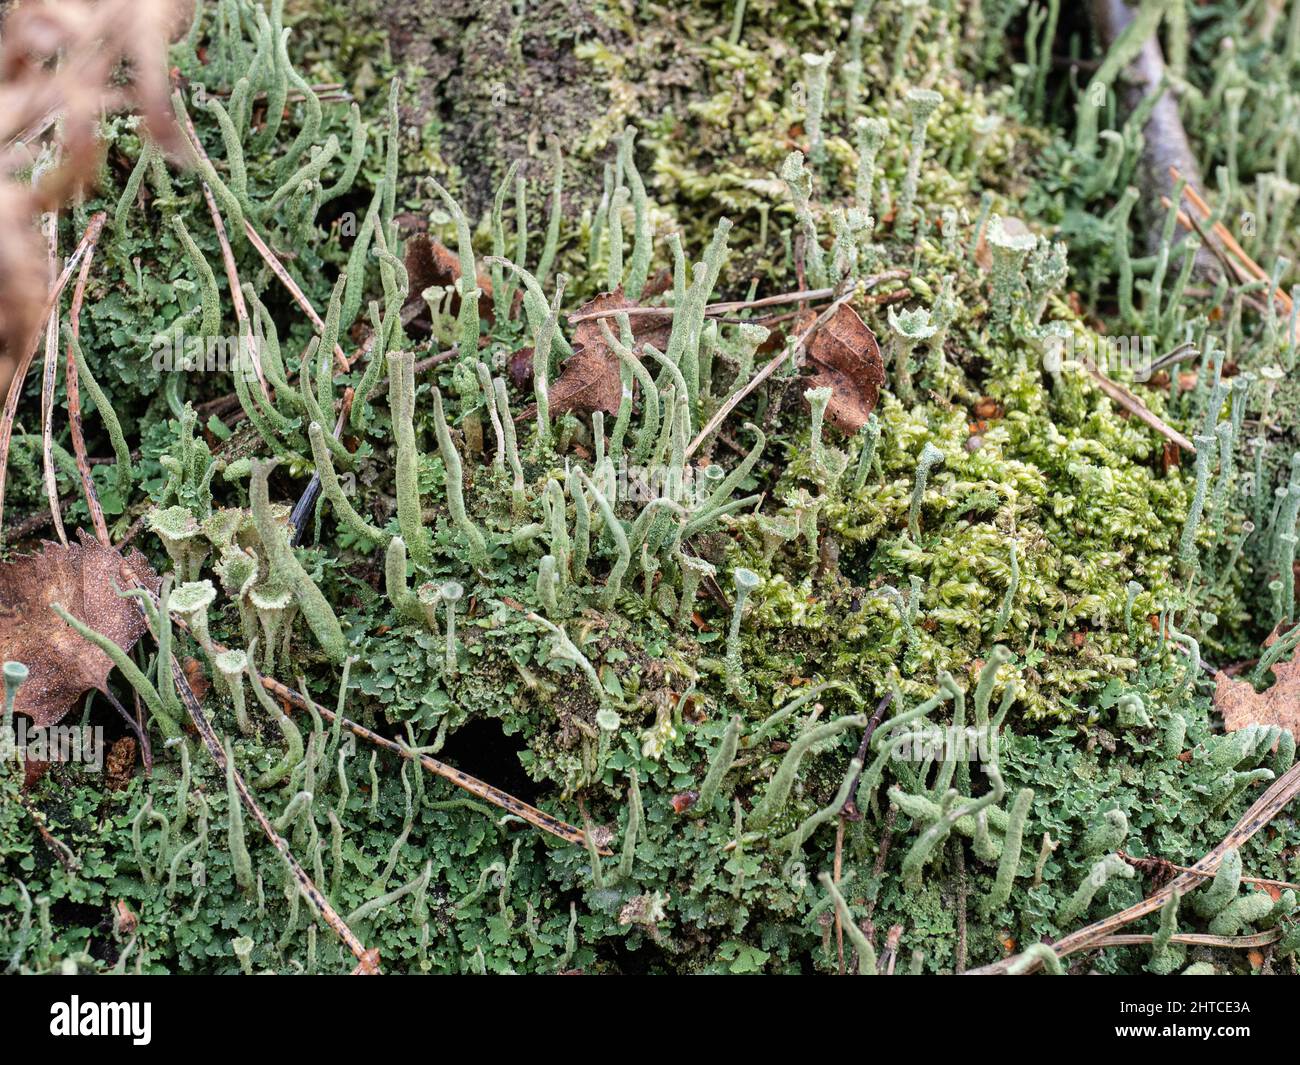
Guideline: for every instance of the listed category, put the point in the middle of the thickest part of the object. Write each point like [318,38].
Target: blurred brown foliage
[64,63]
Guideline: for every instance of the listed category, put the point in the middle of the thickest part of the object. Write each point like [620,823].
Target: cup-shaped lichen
[921,104]
[694,570]
[271,602]
[15,675]
[909,329]
[931,456]
[191,601]
[183,538]
[1009,243]
[231,665]
[816,67]
[287,570]
[451,593]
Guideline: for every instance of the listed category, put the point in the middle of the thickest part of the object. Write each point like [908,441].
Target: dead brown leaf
[521,367]
[589,379]
[429,262]
[61,665]
[1279,704]
[845,357]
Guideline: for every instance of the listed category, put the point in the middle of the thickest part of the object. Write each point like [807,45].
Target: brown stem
[268,256]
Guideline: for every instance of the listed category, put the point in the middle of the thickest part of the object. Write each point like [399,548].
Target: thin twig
[1121,395]
[504,800]
[716,309]
[1245,266]
[1230,265]
[277,268]
[1225,234]
[223,404]
[293,94]
[1146,864]
[849,811]
[61,850]
[713,308]
[71,383]
[835,875]
[1194,939]
[227,258]
[49,378]
[882,853]
[93,228]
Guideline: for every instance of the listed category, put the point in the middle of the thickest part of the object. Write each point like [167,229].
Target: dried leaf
[62,666]
[429,262]
[684,800]
[845,357]
[589,379]
[1241,705]
[521,367]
